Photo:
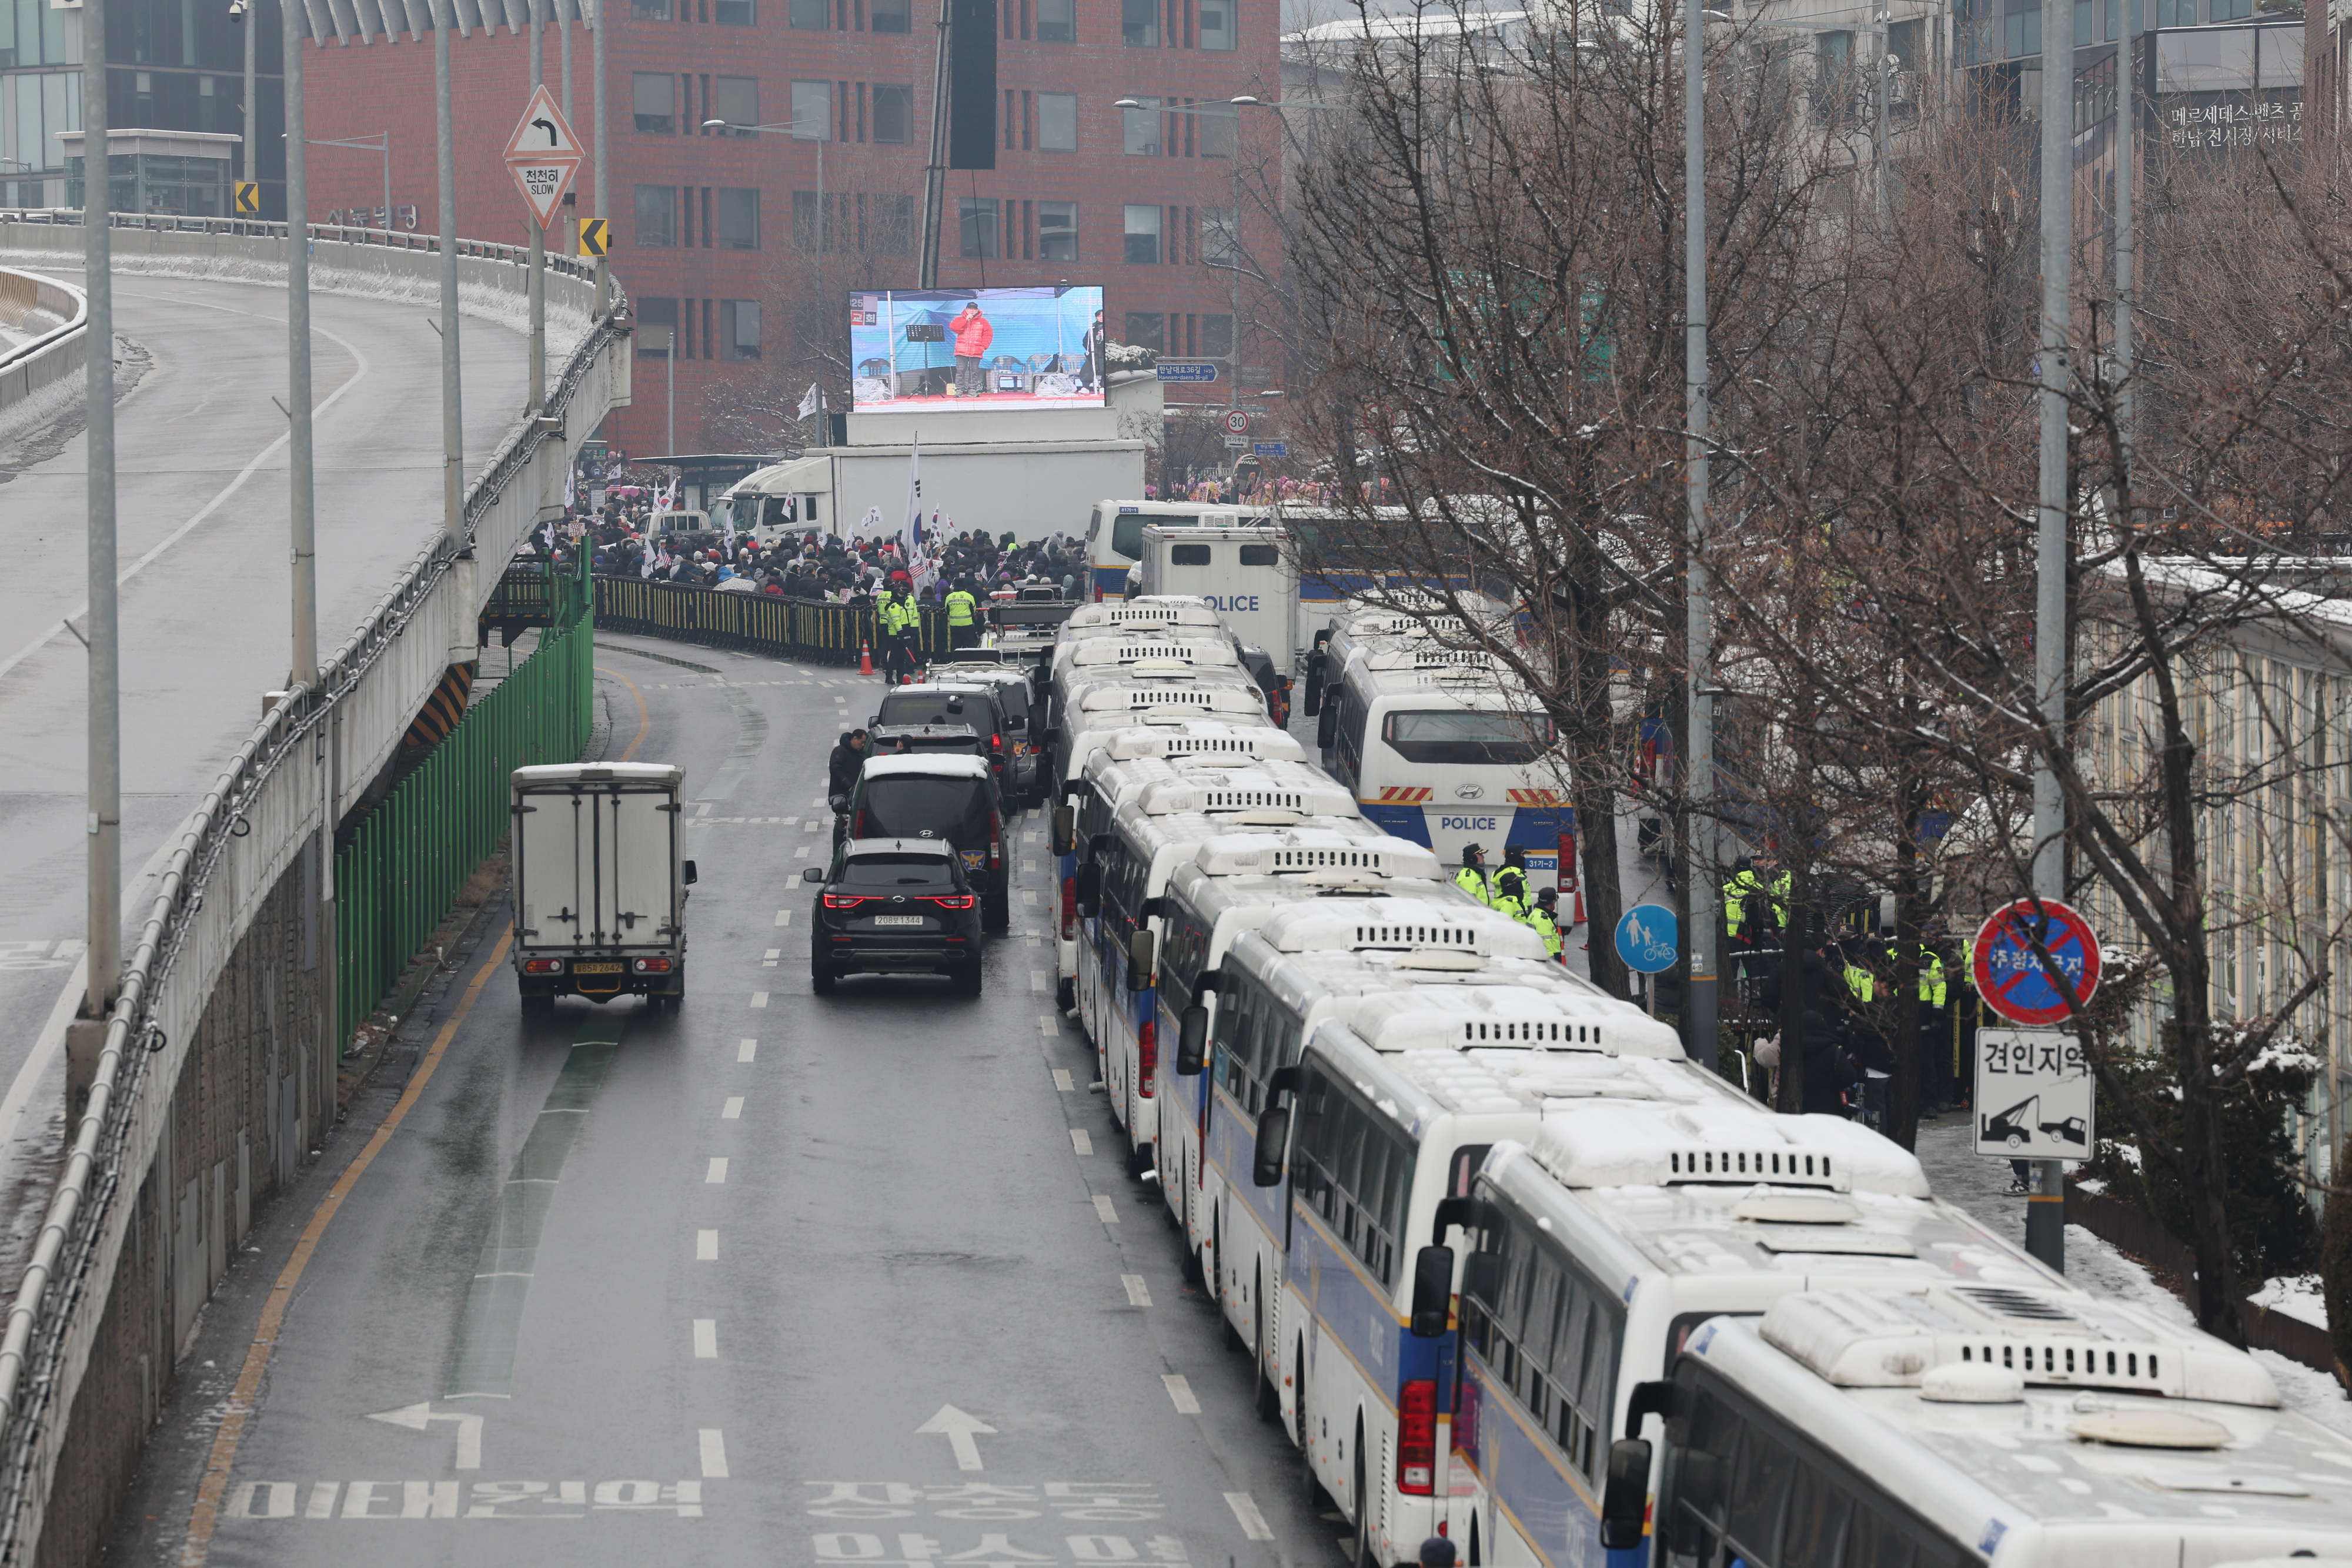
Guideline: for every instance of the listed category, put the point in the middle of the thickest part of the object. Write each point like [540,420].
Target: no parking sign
[2008,972]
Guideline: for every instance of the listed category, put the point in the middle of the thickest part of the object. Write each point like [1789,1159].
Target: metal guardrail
[54,356]
[764,623]
[273,797]
[342,234]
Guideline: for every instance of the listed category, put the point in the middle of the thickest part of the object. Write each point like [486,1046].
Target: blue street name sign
[1271,449]
[1167,372]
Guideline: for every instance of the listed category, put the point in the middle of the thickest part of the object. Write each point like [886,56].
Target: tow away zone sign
[543,155]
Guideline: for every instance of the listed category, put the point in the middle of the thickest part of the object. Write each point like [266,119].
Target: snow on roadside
[2104,1271]
[2296,1296]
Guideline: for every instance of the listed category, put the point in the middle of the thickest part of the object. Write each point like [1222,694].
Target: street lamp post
[821,135]
[378,141]
[1233,226]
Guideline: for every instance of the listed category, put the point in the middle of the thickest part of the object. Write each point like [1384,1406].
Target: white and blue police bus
[1235,883]
[1591,1251]
[1125,872]
[1361,1149]
[1081,811]
[1943,1425]
[1440,750]
[1469,977]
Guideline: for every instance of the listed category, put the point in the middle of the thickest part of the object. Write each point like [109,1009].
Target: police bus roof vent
[1165,610]
[1401,925]
[1362,856]
[1535,1013]
[2047,1336]
[1423,658]
[1721,1141]
[1209,739]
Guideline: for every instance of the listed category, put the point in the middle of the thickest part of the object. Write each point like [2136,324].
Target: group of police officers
[899,625]
[1506,890]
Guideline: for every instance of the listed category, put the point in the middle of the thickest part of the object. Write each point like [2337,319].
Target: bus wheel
[1305,1432]
[1217,1252]
[1268,1401]
[1364,1557]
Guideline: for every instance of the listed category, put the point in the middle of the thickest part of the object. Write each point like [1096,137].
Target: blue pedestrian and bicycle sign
[1649,938]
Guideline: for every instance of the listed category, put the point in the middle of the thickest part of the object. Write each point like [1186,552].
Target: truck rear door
[594,867]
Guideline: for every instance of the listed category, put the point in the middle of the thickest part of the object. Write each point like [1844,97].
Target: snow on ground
[2296,1295]
[1978,1183]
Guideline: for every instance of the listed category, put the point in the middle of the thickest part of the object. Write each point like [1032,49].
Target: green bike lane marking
[481,1366]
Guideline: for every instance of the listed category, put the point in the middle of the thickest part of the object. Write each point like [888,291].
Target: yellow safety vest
[1931,980]
[1511,883]
[1546,927]
[1735,894]
[1472,881]
[960,608]
[1858,982]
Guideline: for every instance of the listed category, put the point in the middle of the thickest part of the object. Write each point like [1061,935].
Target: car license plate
[593,968]
[898,920]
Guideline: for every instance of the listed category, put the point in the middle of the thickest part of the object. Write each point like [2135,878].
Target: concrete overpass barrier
[54,318]
[217,1070]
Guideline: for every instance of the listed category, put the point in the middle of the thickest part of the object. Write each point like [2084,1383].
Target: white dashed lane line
[1103,1208]
[1245,1509]
[747,1050]
[1138,1293]
[706,1339]
[1181,1393]
[1081,1140]
[733,1110]
[716,1175]
[706,1246]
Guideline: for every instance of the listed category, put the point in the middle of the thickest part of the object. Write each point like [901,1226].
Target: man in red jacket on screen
[972,335]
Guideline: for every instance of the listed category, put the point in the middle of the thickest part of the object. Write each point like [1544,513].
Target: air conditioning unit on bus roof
[1421,657]
[1295,851]
[1204,699]
[1187,651]
[1209,738]
[1403,925]
[1165,610]
[1244,792]
[1614,1145]
[1541,1013]
[1874,1339]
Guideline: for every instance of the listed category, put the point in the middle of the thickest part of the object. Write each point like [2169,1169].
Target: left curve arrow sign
[418,1418]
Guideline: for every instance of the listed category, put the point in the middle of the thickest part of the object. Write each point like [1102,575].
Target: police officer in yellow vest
[1544,917]
[963,628]
[899,619]
[1511,883]
[1472,878]
[1746,904]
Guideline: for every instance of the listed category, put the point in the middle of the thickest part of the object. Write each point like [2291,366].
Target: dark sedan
[895,906]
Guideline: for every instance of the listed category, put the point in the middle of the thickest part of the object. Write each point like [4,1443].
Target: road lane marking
[801,854]
[1252,1523]
[1048,1025]
[1138,1293]
[733,1110]
[1180,1392]
[706,1247]
[714,1455]
[645,719]
[1040,981]
[716,1175]
[205,1516]
[1104,1210]
[482,1364]
[768,959]
[706,1339]
[1029,894]
[759,998]
[784,917]
[1081,1140]
[1063,1081]
[747,1050]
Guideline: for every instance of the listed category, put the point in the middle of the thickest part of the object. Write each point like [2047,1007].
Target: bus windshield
[1126,532]
[1461,735]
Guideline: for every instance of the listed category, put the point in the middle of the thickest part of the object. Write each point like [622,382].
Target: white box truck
[1245,575]
[599,884]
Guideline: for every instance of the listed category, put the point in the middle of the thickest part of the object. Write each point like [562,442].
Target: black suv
[934,703]
[895,906]
[940,799]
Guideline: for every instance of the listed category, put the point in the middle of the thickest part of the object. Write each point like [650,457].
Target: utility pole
[935,176]
[1699,1005]
[2127,147]
[452,427]
[596,45]
[104,822]
[538,247]
[563,56]
[305,670]
[2045,1208]
[252,25]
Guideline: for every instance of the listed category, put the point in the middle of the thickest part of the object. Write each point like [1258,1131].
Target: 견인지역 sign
[2034,1099]
[543,155]
[2009,973]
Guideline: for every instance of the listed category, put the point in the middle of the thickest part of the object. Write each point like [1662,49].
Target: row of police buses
[1509,1269]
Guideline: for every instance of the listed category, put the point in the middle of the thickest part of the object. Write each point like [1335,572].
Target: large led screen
[977,349]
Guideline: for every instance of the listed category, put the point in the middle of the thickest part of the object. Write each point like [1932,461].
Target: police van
[1085,803]
[1439,748]
[1241,573]
[1118,889]
[1114,540]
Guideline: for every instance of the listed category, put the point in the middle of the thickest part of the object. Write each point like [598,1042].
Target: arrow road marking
[417,1417]
[962,1432]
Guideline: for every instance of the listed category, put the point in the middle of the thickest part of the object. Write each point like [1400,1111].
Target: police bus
[1440,749]
[1127,869]
[1083,804]
[1591,1250]
[1383,1119]
[1940,1425]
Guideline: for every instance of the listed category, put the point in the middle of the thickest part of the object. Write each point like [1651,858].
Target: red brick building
[716,231]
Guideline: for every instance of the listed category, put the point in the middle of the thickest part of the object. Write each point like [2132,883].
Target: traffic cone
[864,658]
[1579,906]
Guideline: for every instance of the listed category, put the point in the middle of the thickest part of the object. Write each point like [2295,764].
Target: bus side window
[1817,1511]
[1759,1485]
[1702,1468]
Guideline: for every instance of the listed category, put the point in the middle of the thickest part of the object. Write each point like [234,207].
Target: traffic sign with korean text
[2034,1096]
[2009,971]
[543,155]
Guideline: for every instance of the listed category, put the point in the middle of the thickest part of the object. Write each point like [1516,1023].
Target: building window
[657,217]
[812,14]
[894,224]
[1218,23]
[656,320]
[1057,231]
[1217,235]
[655,94]
[894,114]
[1142,235]
[804,222]
[1140,127]
[977,226]
[734,13]
[736,100]
[649,10]
[1217,337]
[1057,121]
[739,330]
[1058,21]
[1217,134]
[1138,22]
[738,218]
[2023,30]
[1146,330]
[812,111]
[892,16]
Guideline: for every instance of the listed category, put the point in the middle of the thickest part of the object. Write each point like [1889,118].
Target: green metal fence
[396,879]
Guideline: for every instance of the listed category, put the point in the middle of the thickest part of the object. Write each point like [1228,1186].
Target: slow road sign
[543,155]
